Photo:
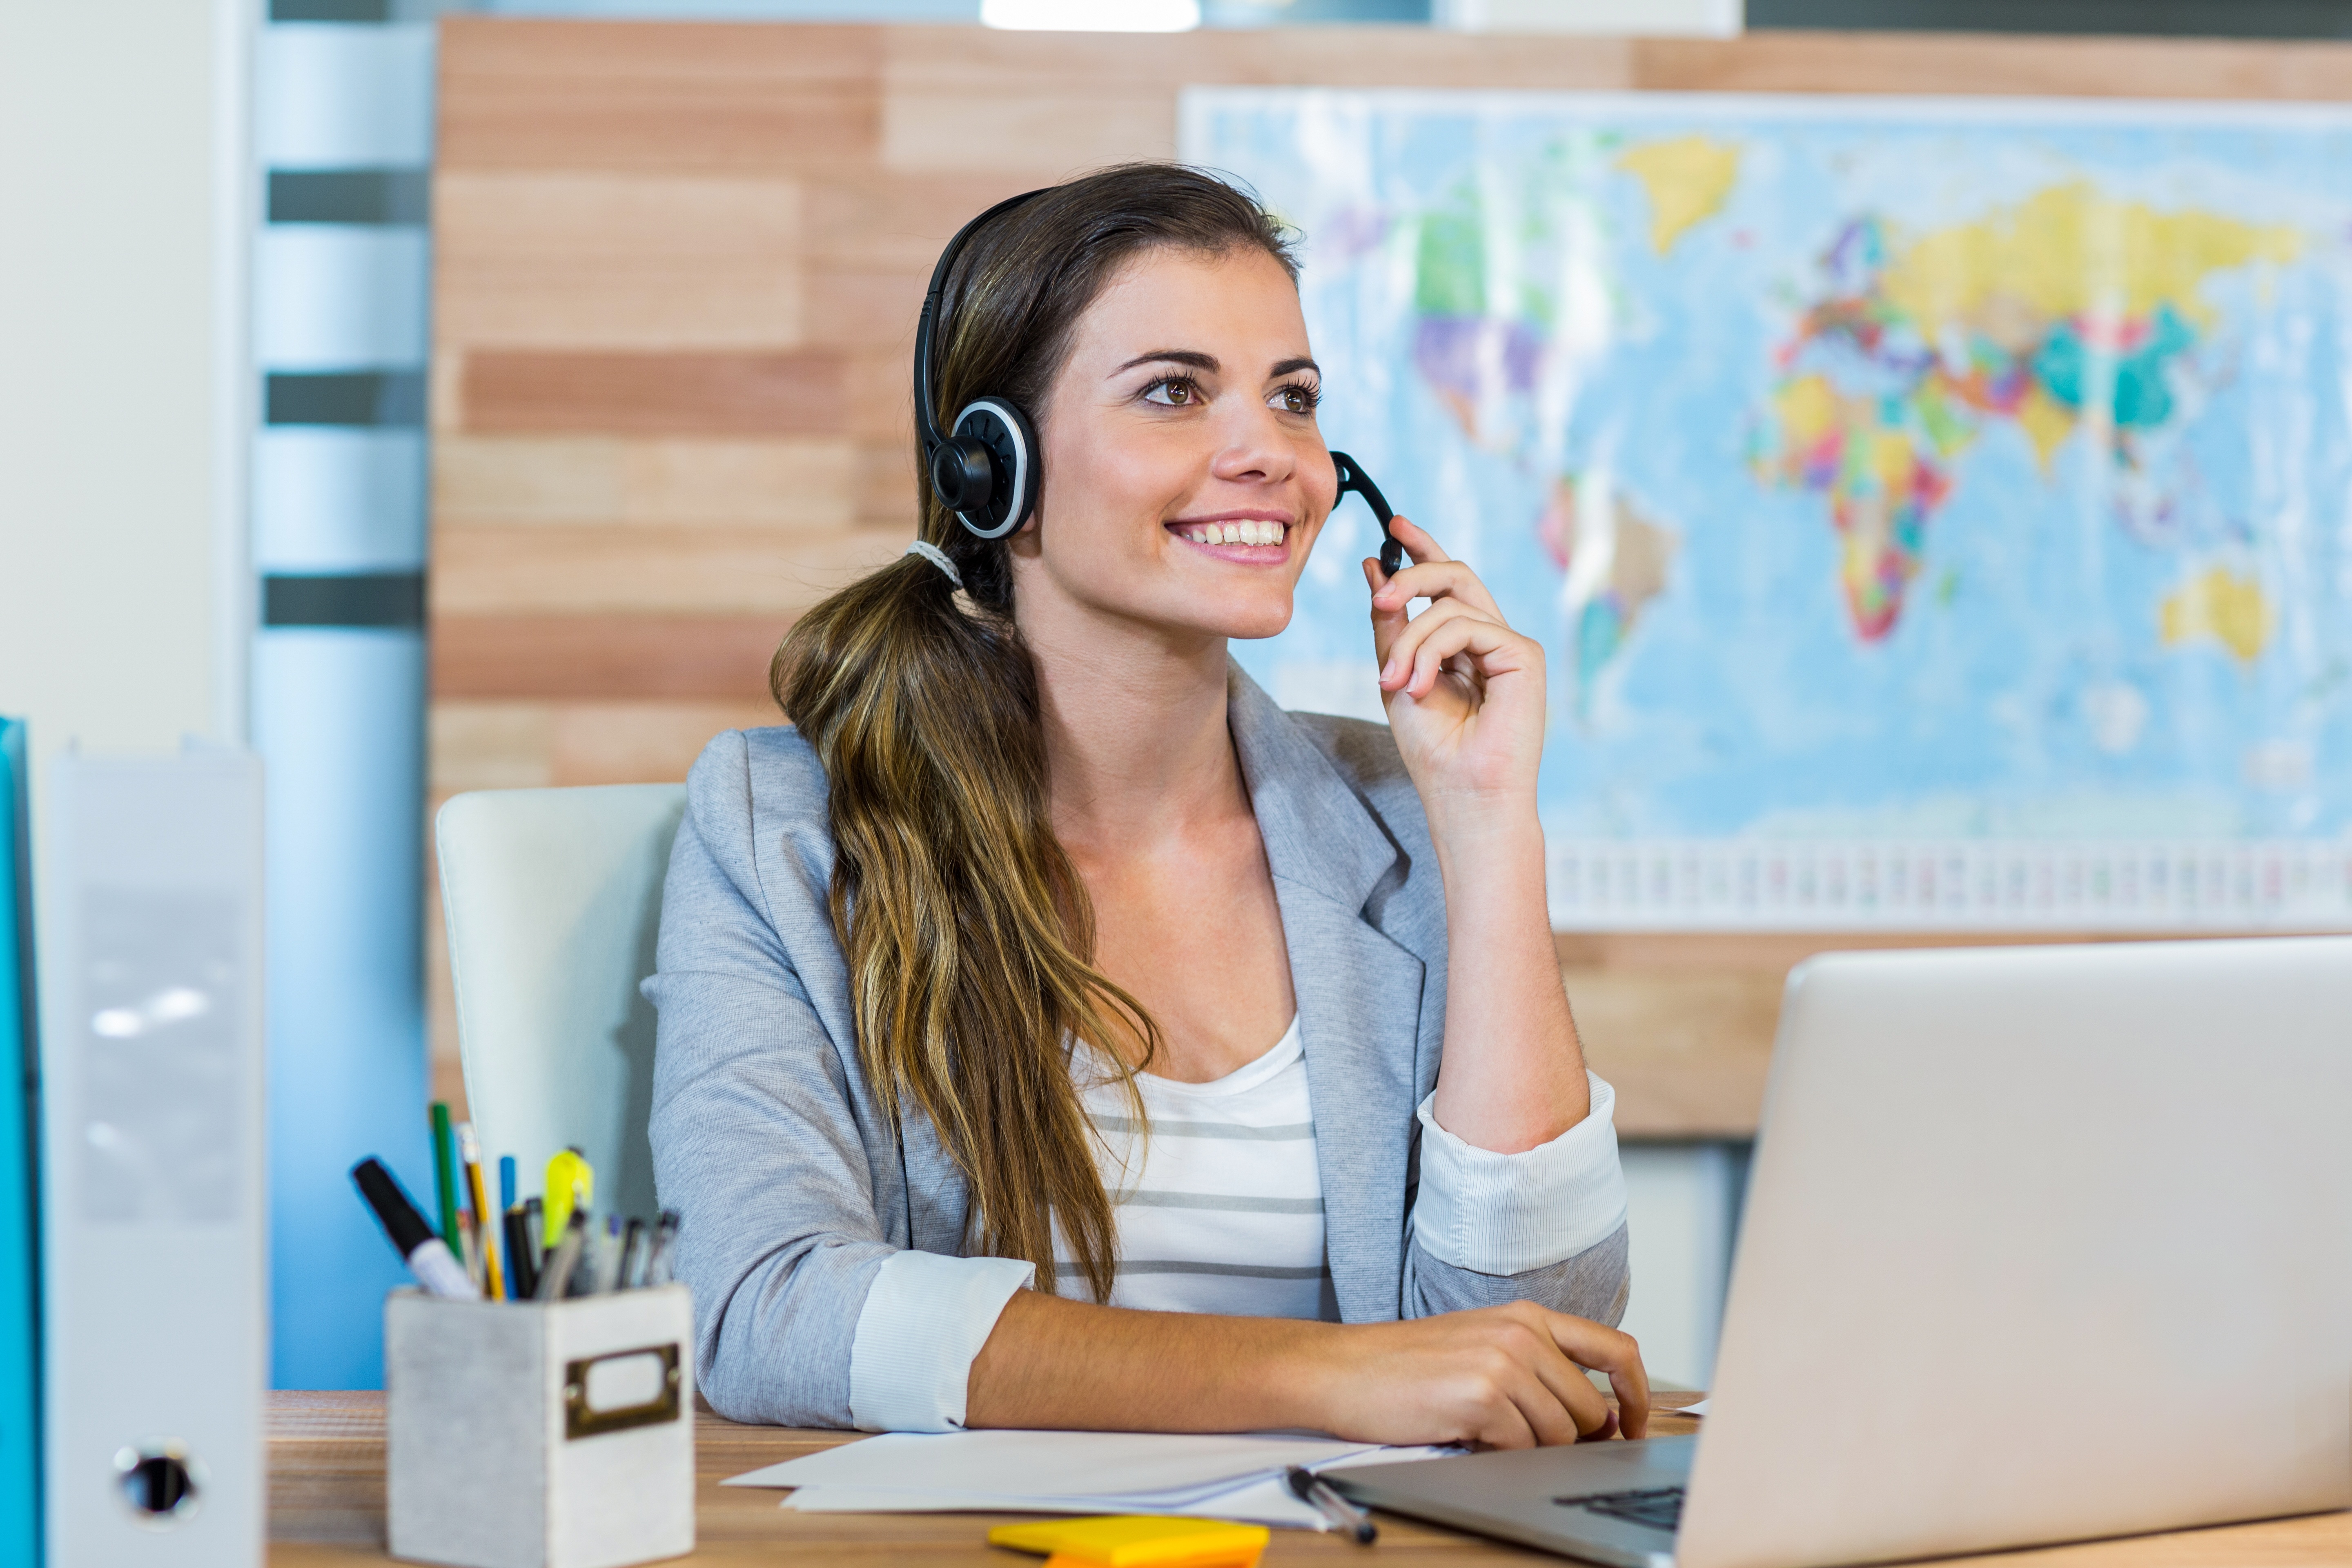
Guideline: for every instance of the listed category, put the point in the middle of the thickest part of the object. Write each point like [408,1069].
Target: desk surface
[326,1510]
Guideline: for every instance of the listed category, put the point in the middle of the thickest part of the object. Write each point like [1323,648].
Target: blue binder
[20,1349]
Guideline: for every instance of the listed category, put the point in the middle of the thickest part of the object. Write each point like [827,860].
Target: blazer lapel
[1359,994]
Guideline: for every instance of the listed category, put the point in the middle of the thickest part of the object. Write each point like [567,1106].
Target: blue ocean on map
[1872,473]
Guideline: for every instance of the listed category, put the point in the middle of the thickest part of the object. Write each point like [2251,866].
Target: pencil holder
[541,1435]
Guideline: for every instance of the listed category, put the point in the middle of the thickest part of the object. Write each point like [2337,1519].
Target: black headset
[984,467]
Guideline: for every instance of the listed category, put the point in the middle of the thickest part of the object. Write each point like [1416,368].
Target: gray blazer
[769,1142]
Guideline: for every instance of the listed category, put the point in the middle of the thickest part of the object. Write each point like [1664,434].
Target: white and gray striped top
[1220,1205]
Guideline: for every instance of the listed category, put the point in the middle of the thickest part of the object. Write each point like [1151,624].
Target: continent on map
[1465,351]
[1688,177]
[2217,605]
[1613,561]
[2070,311]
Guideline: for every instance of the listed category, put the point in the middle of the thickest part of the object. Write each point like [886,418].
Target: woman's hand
[1505,1377]
[1465,692]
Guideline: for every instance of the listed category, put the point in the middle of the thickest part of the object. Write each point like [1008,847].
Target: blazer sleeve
[757,1140]
[1546,1226]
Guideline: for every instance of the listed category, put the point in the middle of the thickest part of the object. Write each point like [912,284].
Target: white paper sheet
[1699,1409]
[1068,1472]
[1067,1464]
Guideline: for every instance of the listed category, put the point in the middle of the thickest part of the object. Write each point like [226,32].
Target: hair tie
[936,557]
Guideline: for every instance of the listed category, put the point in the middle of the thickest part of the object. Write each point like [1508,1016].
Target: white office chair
[552,898]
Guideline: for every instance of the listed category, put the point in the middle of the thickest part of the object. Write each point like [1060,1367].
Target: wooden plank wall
[676,276]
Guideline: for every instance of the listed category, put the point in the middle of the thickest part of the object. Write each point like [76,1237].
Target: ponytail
[967,932]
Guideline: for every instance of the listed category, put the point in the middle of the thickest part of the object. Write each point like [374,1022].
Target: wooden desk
[326,1509]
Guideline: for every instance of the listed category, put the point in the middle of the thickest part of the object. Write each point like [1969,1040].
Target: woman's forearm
[1512,1076]
[1054,1362]
[1509,1375]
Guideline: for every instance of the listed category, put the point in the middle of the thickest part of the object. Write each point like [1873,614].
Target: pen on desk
[555,1282]
[469,1152]
[1343,1514]
[445,1172]
[427,1256]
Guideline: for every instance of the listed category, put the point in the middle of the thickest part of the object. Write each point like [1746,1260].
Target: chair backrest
[552,898]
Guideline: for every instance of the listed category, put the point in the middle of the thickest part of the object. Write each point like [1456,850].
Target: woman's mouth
[1250,539]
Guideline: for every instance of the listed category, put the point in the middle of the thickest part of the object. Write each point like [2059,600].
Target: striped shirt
[1220,1203]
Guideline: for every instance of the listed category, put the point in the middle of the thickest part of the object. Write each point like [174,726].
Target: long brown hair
[969,935]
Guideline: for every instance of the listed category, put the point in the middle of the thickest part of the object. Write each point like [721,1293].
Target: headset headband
[926,425]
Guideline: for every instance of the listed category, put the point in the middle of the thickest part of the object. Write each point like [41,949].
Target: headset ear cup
[1010,442]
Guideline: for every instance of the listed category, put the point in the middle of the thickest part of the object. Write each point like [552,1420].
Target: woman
[1044,970]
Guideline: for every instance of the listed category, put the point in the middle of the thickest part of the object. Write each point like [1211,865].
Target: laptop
[2041,1244]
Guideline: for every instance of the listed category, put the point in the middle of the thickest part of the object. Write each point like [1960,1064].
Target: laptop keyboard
[1660,1507]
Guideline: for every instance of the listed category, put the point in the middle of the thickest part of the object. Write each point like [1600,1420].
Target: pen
[635,1250]
[469,1150]
[555,1283]
[506,1183]
[522,1254]
[661,1265]
[1343,1514]
[427,1256]
[445,1172]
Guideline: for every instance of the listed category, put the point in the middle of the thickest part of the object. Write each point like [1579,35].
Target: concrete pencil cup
[540,1434]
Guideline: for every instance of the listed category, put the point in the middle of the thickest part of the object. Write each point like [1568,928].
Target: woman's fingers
[1418,542]
[1386,623]
[1605,1350]
[1413,660]
[1587,1413]
[1434,581]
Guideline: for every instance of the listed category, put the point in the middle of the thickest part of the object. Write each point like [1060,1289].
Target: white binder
[155,1215]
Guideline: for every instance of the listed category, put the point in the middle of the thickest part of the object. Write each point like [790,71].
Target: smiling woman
[1042,969]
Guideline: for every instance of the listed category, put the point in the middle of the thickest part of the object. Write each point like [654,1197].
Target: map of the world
[1931,515]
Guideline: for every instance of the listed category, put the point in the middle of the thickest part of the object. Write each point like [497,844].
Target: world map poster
[1934,515]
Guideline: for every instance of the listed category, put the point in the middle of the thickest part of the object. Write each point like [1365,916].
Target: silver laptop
[2041,1244]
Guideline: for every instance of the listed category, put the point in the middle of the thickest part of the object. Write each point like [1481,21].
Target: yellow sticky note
[1137,1540]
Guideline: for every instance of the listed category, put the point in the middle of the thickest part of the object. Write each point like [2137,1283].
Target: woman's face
[1184,478]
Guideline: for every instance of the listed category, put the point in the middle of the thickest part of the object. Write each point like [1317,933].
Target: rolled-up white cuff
[923,1322]
[1508,1214]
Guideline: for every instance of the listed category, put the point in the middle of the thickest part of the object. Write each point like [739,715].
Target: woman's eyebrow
[1192,357]
[1284,367]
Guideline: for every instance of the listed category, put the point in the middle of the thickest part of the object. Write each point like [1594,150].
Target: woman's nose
[1256,447]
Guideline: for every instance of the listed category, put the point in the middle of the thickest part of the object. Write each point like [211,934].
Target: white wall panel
[331,499]
[335,296]
[1683,1207]
[338,97]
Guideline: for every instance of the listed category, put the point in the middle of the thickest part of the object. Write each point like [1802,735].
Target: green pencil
[445,1171]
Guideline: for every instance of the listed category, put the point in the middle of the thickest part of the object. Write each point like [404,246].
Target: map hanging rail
[1954,885]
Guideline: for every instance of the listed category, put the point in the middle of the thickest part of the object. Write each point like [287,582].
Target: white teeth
[1257,532]
[1200,536]
[1247,528]
[1232,533]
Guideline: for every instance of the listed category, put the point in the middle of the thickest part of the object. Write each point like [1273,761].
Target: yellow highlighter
[1136,1541]
[571,1184]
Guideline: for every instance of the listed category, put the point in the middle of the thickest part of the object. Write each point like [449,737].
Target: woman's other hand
[1504,1377]
[1465,692]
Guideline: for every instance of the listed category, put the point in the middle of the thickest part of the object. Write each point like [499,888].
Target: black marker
[427,1256]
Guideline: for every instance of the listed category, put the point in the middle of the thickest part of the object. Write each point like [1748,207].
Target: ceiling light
[1093,15]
